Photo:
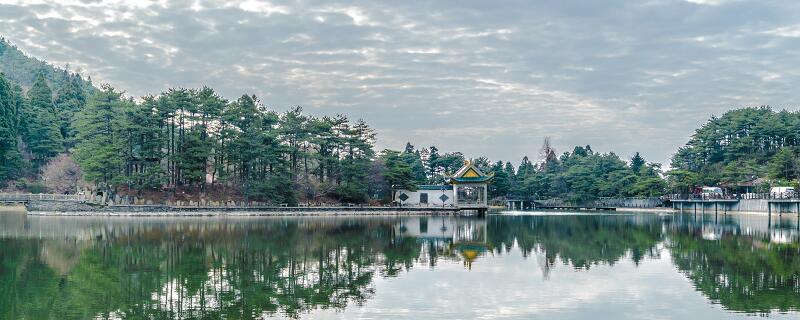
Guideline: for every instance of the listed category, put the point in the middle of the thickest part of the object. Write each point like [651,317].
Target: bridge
[516,204]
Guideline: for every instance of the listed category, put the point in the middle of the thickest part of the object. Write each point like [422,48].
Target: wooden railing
[23,197]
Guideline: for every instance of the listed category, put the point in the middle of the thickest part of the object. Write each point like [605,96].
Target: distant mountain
[23,70]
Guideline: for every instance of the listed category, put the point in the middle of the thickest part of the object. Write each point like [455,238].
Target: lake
[515,266]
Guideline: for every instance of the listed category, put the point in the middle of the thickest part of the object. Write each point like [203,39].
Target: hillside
[23,70]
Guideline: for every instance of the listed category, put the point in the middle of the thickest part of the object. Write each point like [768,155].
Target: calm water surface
[533,265]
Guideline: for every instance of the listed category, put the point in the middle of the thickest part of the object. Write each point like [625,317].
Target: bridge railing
[41,196]
[734,196]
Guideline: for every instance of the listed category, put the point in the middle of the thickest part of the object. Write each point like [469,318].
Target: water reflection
[450,238]
[82,268]
[739,263]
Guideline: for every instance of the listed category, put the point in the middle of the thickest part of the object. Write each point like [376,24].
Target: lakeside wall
[47,207]
[743,205]
[74,208]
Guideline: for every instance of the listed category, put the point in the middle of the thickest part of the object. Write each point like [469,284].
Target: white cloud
[707,2]
[792,31]
[621,76]
[263,7]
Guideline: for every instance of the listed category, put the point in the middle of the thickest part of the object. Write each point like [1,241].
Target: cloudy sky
[483,77]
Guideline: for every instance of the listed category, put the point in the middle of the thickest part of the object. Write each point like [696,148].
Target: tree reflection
[579,241]
[254,268]
[745,273]
[205,272]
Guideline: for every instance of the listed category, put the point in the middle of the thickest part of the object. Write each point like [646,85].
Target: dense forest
[755,147]
[184,141]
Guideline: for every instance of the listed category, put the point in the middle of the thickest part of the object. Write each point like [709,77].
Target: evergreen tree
[501,184]
[414,161]
[398,173]
[10,159]
[70,99]
[43,134]
[783,165]
[144,140]
[193,155]
[637,162]
[99,127]
[356,164]
[433,164]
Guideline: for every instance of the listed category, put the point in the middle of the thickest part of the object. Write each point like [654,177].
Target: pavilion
[467,189]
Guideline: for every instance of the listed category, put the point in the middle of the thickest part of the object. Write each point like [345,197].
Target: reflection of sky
[510,286]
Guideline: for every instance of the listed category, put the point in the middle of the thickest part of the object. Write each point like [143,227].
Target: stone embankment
[61,208]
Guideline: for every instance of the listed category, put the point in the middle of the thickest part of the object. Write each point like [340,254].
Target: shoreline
[677,211]
[173,211]
[242,213]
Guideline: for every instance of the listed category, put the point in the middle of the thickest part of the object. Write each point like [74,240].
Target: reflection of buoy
[469,251]
[470,254]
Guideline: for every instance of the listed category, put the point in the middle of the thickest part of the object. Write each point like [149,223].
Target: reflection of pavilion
[447,236]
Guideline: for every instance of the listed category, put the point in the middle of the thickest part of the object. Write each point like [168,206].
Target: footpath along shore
[161,210]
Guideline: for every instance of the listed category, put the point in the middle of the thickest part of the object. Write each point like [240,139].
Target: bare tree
[547,154]
[62,174]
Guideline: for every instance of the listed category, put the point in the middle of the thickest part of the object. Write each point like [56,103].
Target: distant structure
[467,189]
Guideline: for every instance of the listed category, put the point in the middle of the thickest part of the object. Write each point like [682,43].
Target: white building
[467,189]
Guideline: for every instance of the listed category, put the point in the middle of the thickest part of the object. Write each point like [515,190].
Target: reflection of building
[463,238]
[467,189]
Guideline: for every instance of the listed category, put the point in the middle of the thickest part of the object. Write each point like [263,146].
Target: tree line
[755,146]
[193,141]
[186,140]
[576,176]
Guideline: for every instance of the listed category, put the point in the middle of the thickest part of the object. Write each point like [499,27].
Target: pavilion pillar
[486,195]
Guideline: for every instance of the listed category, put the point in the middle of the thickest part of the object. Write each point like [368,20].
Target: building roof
[469,173]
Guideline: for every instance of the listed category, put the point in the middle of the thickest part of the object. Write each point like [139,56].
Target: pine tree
[356,164]
[70,99]
[193,156]
[637,162]
[143,143]
[501,184]
[10,159]
[397,173]
[99,127]
[434,167]
[43,133]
